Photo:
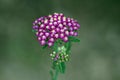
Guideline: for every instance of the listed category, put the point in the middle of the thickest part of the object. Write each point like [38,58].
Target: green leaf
[55,46]
[74,39]
[34,31]
[62,67]
[68,47]
[45,46]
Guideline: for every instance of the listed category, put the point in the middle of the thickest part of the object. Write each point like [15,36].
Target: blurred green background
[96,57]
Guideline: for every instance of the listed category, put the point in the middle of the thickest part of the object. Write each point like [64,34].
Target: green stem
[55,75]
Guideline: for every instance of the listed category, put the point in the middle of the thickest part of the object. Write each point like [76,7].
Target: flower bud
[50,44]
[42,42]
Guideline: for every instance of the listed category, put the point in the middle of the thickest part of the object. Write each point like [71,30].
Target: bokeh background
[96,57]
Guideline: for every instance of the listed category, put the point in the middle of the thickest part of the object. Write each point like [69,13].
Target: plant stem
[55,75]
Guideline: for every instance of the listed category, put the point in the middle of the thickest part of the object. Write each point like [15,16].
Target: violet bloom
[51,27]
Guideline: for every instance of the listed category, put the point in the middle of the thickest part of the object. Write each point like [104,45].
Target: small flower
[51,39]
[50,43]
[50,28]
[65,39]
[42,42]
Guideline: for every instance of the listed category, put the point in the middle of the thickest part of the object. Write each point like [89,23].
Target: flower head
[51,27]
[61,56]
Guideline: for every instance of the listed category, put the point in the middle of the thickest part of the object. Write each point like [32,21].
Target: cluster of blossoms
[61,56]
[51,27]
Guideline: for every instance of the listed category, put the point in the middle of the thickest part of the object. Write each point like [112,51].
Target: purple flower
[51,27]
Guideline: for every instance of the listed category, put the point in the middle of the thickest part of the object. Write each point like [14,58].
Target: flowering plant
[57,32]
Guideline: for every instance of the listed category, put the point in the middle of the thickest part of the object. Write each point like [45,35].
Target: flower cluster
[51,27]
[61,56]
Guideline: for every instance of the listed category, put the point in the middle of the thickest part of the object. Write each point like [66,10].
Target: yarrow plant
[57,32]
